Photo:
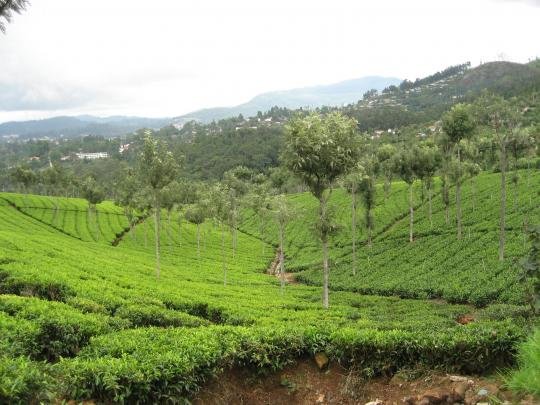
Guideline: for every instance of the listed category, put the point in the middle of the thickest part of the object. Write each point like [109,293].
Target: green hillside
[85,320]
[437,264]
[72,216]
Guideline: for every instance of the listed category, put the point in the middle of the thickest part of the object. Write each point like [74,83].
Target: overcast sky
[108,57]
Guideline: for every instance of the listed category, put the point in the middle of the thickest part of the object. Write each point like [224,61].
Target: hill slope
[70,127]
[337,94]
[436,265]
[88,321]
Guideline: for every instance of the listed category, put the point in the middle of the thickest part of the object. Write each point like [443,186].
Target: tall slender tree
[367,191]
[319,150]
[196,214]
[283,212]
[157,168]
[503,117]
[429,160]
[385,154]
[220,211]
[458,124]
[351,184]
[407,169]
[125,197]
[237,181]
[94,194]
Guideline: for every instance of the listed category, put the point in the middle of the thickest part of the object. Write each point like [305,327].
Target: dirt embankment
[274,270]
[304,383]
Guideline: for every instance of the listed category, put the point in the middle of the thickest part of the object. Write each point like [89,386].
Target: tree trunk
[281,257]
[458,208]
[199,245]
[386,187]
[353,221]
[261,230]
[369,220]
[223,257]
[324,240]
[146,234]
[411,213]
[157,227]
[458,195]
[169,233]
[516,192]
[179,229]
[234,233]
[325,273]
[473,186]
[502,219]
[446,200]
[430,209]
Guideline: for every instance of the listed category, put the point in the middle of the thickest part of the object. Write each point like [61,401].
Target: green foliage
[531,269]
[436,265]
[91,192]
[23,381]
[526,380]
[115,333]
[458,123]
[321,149]
[157,166]
[152,315]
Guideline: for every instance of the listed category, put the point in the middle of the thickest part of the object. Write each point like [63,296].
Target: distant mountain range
[430,99]
[336,94]
[69,127]
[316,96]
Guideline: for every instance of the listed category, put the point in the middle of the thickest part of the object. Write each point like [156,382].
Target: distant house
[33,158]
[93,155]
[123,148]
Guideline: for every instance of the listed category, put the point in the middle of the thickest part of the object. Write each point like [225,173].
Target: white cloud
[165,57]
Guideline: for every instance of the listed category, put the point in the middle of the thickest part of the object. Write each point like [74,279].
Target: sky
[165,58]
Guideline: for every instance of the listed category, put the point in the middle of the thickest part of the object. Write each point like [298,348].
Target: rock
[457,378]
[397,380]
[435,396]
[320,399]
[528,400]
[376,402]
[322,360]
[459,391]
[409,400]
[465,319]
[482,392]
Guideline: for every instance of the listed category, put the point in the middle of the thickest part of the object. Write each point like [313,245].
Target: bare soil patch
[303,383]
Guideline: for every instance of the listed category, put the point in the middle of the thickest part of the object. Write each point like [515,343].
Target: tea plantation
[81,319]
[436,264]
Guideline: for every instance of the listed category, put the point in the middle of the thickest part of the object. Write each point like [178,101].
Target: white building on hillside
[93,155]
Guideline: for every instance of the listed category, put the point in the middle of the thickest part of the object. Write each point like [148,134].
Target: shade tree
[157,169]
[458,124]
[407,169]
[93,194]
[319,150]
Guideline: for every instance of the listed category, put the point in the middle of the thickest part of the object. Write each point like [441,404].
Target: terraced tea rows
[72,216]
[108,329]
[436,265]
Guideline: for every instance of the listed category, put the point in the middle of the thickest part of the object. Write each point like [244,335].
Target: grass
[526,380]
